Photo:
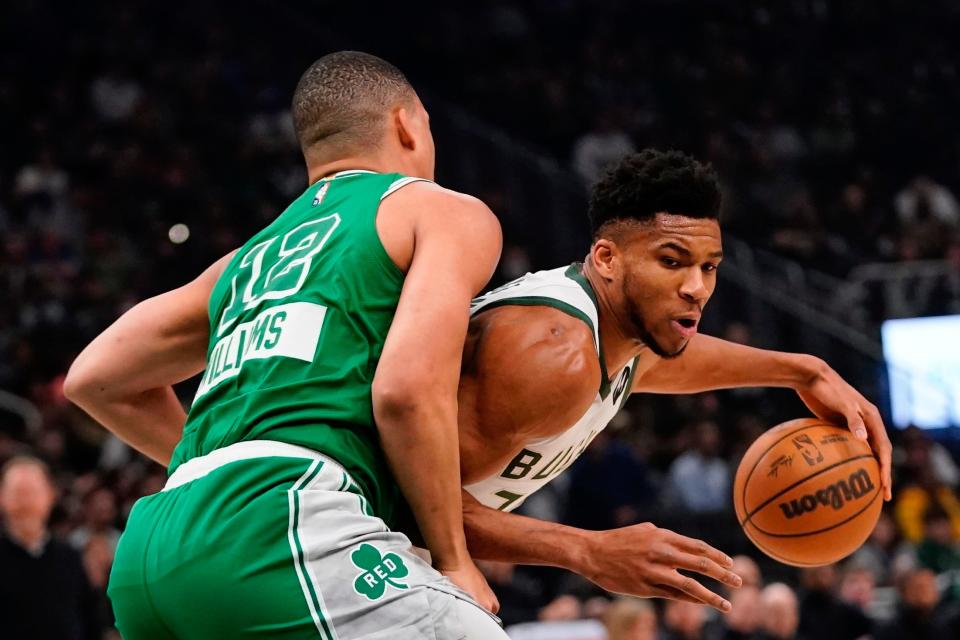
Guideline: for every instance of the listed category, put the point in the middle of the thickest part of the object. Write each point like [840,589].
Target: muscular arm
[710,363]
[510,537]
[456,245]
[124,378]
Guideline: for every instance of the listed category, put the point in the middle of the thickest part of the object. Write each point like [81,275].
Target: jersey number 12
[273,271]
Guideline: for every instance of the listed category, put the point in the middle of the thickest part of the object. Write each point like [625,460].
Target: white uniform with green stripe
[540,460]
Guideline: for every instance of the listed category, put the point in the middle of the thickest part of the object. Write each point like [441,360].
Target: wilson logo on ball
[835,495]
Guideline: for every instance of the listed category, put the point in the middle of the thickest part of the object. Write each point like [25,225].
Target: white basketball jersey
[541,460]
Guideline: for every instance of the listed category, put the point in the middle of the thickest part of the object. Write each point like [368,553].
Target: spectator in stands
[44,589]
[631,619]
[748,570]
[115,94]
[884,550]
[684,621]
[858,230]
[746,613]
[918,497]
[823,616]
[42,182]
[562,608]
[609,486]
[519,594]
[927,212]
[98,560]
[919,617]
[99,517]
[938,551]
[799,233]
[780,613]
[924,198]
[915,450]
[857,587]
[595,150]
[700,479]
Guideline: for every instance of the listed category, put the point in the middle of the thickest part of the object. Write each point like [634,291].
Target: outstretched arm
[641,560]
[710,363]
[124,378]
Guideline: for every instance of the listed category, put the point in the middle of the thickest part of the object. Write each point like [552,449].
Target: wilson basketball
[808,493]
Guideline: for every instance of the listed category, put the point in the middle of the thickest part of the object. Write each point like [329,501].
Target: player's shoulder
[542,338]
[428,199]
[423,213]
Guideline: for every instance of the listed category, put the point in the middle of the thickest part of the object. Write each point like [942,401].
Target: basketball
[808,493]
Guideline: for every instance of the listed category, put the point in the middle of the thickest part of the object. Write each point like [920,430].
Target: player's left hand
[829,397]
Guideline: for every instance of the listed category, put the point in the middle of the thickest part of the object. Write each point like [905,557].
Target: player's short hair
[644,184]
[341,102]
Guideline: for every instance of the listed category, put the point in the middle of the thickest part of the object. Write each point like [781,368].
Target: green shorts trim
[310,589]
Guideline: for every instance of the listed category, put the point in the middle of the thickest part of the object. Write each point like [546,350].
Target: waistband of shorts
[196,468]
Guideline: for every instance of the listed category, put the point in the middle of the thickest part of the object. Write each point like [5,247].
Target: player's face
[669,274]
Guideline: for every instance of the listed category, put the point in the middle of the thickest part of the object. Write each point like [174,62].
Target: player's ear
[606,258]
[404,127]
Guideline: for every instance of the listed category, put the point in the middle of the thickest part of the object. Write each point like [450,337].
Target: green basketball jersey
[297,324]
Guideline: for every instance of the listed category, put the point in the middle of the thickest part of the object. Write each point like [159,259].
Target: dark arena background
[141,141]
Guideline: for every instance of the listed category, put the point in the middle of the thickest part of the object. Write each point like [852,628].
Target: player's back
[298,320]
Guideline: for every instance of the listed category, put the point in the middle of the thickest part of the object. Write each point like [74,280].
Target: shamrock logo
[377,571]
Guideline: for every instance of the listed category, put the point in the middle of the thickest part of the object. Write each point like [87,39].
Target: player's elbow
[80,386]
[400,399]
[76,385]
[392,399]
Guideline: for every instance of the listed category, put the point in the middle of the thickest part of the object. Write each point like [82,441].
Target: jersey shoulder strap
[560,288]
[399,183]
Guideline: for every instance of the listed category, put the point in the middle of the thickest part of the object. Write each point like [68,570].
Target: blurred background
[142,141]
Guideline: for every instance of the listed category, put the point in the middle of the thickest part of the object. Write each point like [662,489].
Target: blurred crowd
[143,142]
[830,603]
[839,141]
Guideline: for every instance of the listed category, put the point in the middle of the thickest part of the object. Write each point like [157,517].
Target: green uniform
[298,322]
[275,522]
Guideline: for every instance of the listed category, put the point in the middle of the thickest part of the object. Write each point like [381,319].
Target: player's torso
[525,469]
[298,321]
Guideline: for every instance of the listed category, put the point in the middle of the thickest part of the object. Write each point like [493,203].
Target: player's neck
[619,347]
[317,172]
[376,162]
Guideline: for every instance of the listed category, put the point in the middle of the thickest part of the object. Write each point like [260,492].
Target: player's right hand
[469,578]
[643,560]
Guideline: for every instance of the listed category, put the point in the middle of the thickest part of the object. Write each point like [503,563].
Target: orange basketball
[808,493]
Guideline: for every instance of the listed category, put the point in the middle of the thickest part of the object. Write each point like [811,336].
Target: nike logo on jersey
[621,384]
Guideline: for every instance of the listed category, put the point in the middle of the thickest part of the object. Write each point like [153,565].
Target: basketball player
[551,357]
[335,331]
